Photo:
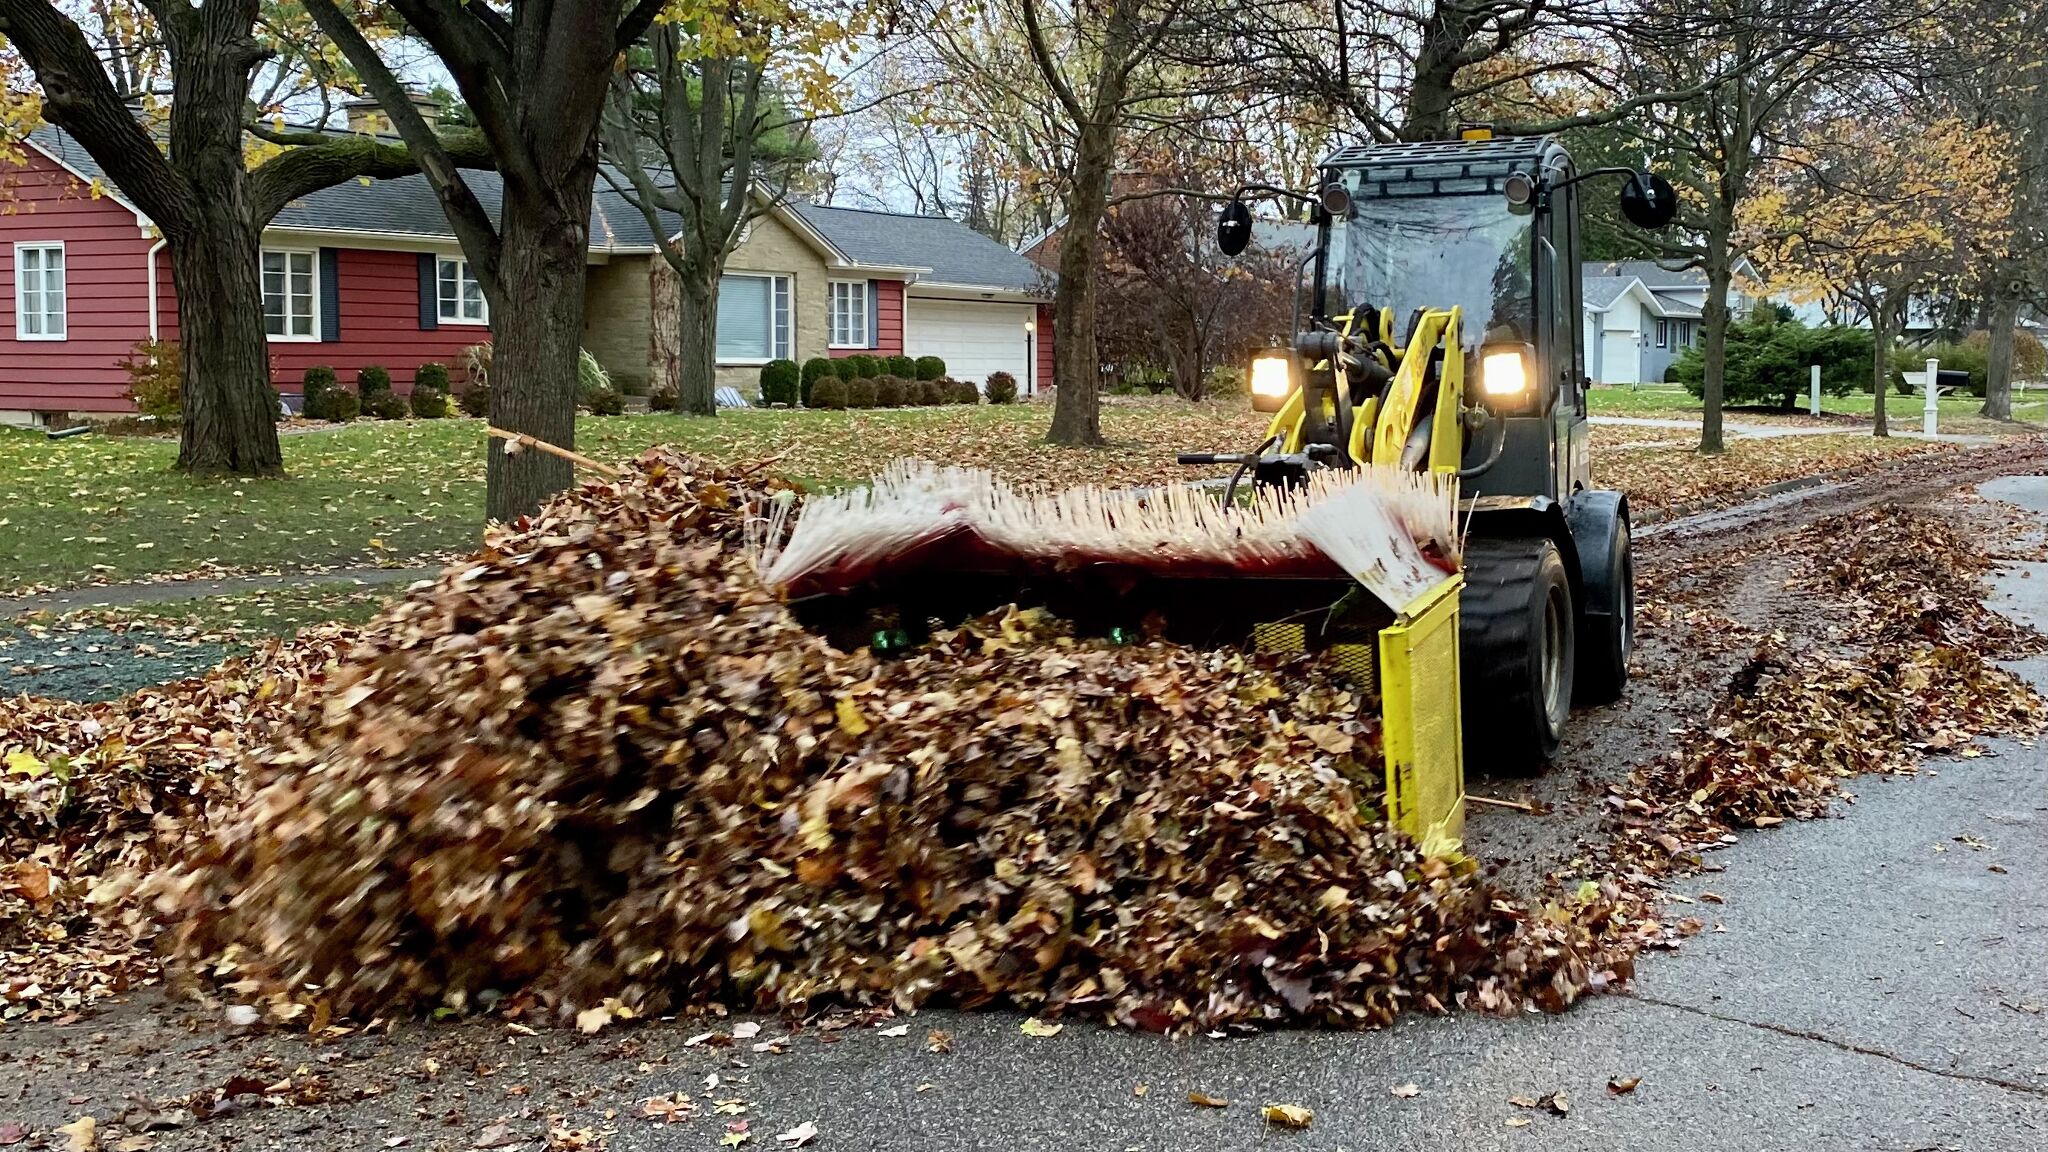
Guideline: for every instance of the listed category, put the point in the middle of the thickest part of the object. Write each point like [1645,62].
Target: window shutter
[874,314]
[330,295]
[430,293]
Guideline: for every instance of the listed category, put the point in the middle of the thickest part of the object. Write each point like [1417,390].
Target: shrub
[153,378]
[475,400]
[900,365]
[371,381]
[341,406]
[604,401]
[931,368]
[319,378]
[929,391]
[867,367]
[860,394]
[814,370]
[844,368]
[1002,388]
[386,405]
[319,387]
[1769,361]
[428,402]
[890,392]
[431,376]
[828,392]
[661,400]
[780,382]
[961,391]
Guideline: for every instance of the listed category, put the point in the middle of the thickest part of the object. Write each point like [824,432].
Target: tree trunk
[230,423]
[1077,369]
[230,420]
[1881,368]
[2004,316]
[536,331]
[696,342]
[664,328]
[1714,356]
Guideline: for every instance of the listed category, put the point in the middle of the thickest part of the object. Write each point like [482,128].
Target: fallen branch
[522,440]
[1516,805]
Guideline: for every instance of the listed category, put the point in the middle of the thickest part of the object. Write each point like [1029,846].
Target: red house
[369,272]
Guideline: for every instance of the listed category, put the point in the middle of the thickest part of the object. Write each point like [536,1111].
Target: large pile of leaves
[92,791]
[598,770]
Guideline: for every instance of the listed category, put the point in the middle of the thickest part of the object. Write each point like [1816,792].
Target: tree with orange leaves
[1883,208]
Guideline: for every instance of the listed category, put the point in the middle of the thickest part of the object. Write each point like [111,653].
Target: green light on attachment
[1123,635]
[889,641]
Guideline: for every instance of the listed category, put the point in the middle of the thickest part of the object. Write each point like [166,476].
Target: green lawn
[95,509]
[253,616]
[100,509]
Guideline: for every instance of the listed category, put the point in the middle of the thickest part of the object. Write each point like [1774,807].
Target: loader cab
[1439,224]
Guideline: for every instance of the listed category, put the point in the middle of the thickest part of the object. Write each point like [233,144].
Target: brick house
[368,272]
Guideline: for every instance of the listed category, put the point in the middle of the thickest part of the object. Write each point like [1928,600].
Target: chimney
[369,117]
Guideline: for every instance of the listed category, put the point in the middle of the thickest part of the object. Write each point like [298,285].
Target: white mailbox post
[1931,411]
[1813,401]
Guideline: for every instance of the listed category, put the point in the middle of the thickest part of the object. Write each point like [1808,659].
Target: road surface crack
[1845,1046]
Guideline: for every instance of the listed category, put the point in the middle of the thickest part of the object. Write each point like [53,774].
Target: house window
[849,314]
[288,308]
[462,298]
[753,318]
[1663,333]
[39,291]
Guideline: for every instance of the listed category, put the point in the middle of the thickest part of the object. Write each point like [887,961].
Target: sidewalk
[1741,431]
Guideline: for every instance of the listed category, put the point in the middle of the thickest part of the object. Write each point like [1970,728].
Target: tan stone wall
[618,300]
[615,309]
[775,247]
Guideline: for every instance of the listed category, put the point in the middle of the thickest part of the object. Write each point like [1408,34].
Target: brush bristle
[1390,529]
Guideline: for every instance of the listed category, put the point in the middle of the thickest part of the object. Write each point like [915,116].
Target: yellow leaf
[851,721]
[22,762]
[1287,1115]
[83,1134]
[1037,1027]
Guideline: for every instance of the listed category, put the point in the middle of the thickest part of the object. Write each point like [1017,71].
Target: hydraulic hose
[1500,440]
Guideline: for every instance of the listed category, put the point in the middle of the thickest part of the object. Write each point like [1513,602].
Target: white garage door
[1620,358]
[974,338]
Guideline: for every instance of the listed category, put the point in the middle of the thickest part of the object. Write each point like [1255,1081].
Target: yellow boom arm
[1379,434]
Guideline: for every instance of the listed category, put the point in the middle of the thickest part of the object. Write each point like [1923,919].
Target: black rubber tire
[1515,655]
[1604,641]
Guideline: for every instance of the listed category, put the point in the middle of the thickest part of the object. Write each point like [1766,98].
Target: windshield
[1415,252]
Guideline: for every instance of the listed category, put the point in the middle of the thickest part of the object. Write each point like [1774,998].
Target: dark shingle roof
[955,253]
[1600,291]
[407,206]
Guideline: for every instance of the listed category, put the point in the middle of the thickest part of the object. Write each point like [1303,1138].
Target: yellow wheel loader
[1435,383]
[1444,332]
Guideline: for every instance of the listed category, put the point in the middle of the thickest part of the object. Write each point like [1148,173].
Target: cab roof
[1447,167]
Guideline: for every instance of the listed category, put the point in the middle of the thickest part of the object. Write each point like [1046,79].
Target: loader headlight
[1272,380]
[1504,373]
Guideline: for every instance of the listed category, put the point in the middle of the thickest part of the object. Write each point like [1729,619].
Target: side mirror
[1234,228]
[1648,201]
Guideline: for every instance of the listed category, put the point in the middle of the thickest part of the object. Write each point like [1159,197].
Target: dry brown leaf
[1287,1115]
[1207,1101]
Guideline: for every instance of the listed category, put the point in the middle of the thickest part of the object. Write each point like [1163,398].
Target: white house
[1640,315]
